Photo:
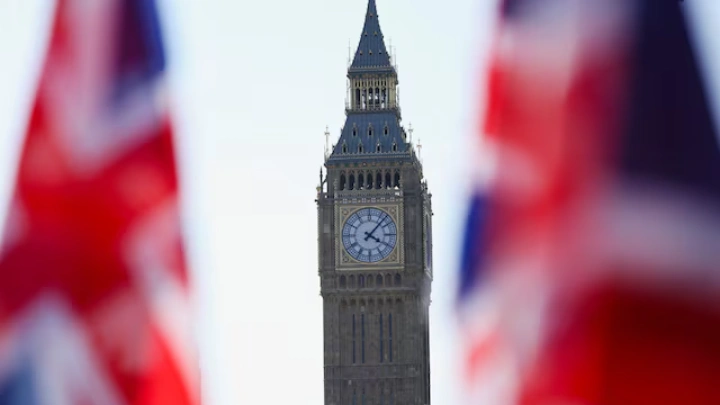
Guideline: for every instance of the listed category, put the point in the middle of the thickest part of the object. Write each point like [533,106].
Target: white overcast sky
[254,85]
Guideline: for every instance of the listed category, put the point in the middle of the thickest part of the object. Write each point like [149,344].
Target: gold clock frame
[394,261]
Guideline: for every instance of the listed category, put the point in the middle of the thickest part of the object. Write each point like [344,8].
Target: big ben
[375,245]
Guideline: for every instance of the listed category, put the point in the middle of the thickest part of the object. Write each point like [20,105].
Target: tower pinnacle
[371,53]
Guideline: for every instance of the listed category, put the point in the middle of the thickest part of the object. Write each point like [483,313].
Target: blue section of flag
[19,388]
[514,8]
[140,51]
[670,135]
[473,244]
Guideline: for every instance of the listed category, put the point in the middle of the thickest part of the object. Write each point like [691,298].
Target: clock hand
[369,235]
[376,227]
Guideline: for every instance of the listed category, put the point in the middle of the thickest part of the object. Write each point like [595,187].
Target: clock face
[369,235]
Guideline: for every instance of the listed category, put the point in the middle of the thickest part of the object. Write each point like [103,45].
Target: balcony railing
[371,107]
[384,193]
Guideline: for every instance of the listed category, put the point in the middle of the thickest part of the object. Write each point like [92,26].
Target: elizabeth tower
[375,246]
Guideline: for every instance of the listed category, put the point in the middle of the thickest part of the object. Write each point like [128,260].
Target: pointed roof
[371,53]
[381,135]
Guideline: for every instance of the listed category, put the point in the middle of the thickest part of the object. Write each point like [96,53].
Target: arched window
[360,148]
[369,181]
[364,99]
[378,148]
[387,130]
[388,280]
[382,342]
[379,280]
[343,282]
[371,100]
[361,281]
[362,337]
[351,182]
[354,131]
[377,96]
[357,98]
[344,148]
[351,281]
[396,183]
[390,338]
[384,99]
[398,280]
[370,280]
[361,181]
[388,181]
[370,131]
[394,147]
[378,181]
[353,340]
[342,182]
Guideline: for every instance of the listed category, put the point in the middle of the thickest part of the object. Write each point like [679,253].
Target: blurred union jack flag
[94,294]
[591,266]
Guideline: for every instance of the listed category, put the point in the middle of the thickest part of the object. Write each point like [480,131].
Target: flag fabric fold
[94,291]
[592,278]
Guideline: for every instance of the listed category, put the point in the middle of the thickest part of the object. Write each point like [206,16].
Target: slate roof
[357,131]
[371,53]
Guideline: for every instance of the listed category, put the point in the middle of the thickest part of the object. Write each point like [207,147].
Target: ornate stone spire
[371,53]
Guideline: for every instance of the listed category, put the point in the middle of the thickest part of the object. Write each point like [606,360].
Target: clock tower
[375,245]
